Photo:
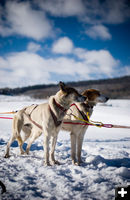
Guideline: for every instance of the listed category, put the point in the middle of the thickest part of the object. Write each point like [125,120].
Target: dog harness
[56,121]
[84,116]
[29,117]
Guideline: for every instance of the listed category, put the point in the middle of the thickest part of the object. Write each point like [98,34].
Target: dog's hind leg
[8,146]
[73,147]
[20,142]
[18,123]
[15,135]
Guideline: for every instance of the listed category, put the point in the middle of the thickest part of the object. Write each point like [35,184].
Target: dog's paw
[73,162]
[23,153]
[6,156]
[47,164]
[55,162]
[77,163]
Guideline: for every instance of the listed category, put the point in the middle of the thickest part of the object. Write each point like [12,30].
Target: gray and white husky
[44,118]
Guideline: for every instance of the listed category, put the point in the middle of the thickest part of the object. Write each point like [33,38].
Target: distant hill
[114,88]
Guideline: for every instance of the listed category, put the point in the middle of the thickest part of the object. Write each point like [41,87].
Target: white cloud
[116,12]
[98,32]
[92,12]
[125,71]
[33,47]
[27,68]
[100,61]
[63,46]
[24,68]
[28,18]
[21,69]
[67,66]
[20,18]
[108,11]
[64,8]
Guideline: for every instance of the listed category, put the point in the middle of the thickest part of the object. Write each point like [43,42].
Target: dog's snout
[106,99]
[102,99]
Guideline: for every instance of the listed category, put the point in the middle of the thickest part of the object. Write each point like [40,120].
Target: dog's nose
[107,98]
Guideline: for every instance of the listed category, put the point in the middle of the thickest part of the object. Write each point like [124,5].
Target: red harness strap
[35,123]
[77,123]
[56,121]
[82,113]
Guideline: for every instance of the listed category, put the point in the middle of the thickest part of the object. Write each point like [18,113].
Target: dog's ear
[85,93]
[91,94]
[62,86]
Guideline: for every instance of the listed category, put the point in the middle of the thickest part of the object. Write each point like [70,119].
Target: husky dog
[46,118]
[77,132]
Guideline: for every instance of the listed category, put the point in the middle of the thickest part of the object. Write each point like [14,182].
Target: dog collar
[59,106]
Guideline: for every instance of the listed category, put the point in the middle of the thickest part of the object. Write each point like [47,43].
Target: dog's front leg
[79,148]
[73,148]
[53,145]
[46,150]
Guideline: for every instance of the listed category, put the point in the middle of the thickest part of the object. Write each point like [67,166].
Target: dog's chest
[86,109]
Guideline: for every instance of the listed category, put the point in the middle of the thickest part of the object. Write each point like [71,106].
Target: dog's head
[94,96]
[70,94]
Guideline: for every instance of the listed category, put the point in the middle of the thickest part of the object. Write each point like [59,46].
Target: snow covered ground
[106,153]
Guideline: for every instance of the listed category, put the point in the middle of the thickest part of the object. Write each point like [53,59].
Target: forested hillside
[114,88]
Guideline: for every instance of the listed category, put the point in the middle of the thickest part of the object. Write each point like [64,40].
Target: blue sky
[45,41]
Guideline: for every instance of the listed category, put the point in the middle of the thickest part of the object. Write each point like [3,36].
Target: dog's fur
[42,115]
[77,132]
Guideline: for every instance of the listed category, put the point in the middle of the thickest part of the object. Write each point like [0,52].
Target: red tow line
[6,117]
[103,125]
[78,123]
[75,123]
[87,124]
